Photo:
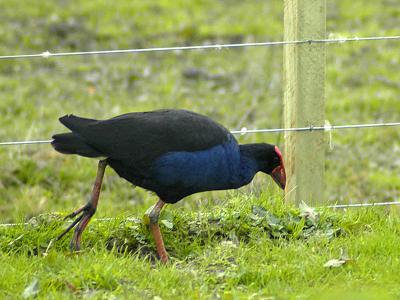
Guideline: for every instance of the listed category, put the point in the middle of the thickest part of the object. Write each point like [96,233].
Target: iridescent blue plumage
[218,168]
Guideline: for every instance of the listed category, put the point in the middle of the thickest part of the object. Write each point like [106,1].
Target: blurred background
[237,87]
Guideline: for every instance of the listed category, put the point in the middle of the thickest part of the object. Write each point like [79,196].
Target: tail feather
[71,143]
[75,123]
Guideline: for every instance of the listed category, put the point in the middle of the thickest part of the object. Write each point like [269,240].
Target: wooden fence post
[304,100]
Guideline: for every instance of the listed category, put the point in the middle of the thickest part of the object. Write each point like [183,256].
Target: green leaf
[259,211]
[167,223]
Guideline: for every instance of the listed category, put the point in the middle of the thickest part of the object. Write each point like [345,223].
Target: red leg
[85,212]
[155,230]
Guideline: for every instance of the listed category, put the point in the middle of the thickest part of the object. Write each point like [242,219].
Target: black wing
[139,138]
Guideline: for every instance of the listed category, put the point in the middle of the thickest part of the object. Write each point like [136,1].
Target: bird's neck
[248,165]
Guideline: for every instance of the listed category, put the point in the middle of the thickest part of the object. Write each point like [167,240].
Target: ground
[237,87]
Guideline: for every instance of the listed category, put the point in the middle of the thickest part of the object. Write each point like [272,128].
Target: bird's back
[146,135]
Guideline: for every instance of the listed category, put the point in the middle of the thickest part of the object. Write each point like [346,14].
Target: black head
[270,161]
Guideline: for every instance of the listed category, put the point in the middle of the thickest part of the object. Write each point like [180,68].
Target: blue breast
[217,168]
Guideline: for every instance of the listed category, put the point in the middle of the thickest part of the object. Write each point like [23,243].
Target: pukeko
[174,153]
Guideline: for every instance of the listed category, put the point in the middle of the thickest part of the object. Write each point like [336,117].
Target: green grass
[240,87]
[252,246]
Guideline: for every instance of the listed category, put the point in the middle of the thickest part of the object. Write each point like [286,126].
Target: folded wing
[139,138]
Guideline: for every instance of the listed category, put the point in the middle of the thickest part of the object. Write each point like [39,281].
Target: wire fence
[48,54]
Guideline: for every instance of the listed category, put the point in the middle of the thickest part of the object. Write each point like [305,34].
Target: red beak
[279,176]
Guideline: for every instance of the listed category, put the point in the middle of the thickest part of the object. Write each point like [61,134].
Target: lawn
[250,246]
[231,252]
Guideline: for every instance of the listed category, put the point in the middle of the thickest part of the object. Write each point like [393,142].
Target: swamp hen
[173,153]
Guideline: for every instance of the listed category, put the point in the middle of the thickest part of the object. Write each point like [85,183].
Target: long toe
[75,244]
[82,217]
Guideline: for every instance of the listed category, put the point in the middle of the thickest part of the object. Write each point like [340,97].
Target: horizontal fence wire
[355,205]
[47,54]
[326,127]
[24,143]
[244,130]
[337,206]
[68,221]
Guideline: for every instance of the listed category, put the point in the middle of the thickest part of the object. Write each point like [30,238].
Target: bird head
[278,169]
[270,161]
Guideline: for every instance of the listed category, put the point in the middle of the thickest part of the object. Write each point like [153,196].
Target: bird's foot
[81,218]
